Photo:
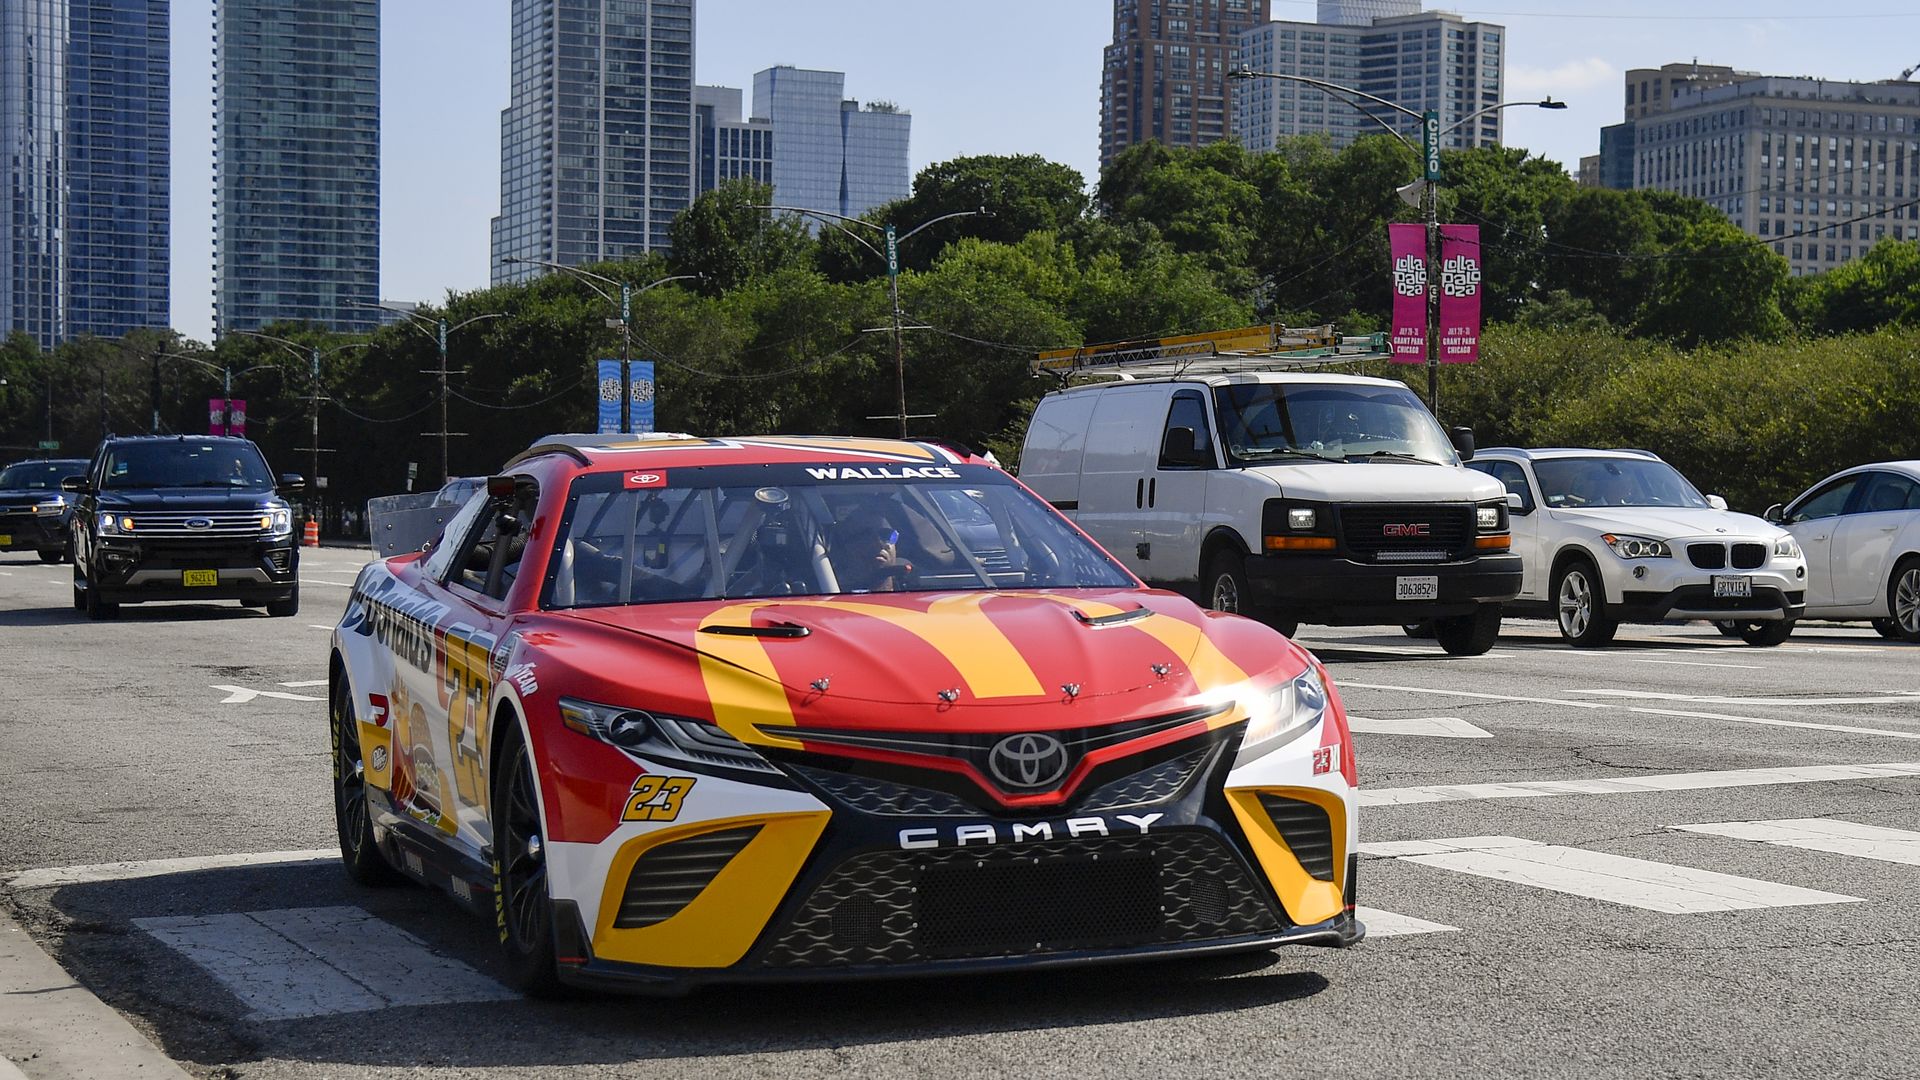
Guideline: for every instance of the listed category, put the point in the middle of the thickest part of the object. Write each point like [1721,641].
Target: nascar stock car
[673,711]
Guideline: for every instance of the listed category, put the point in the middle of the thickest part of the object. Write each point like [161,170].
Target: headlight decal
[1282,714]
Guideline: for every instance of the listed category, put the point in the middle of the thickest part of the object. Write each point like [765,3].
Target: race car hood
[971,650]
[1671,523]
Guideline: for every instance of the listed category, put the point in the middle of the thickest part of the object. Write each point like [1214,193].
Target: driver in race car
[864,549]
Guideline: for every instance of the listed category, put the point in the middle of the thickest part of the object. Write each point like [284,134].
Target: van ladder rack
[1222,352]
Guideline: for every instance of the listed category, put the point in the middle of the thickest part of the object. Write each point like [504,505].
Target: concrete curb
[52,1028]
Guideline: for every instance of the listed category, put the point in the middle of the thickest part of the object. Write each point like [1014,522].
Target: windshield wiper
[1281,451]
[1392,455]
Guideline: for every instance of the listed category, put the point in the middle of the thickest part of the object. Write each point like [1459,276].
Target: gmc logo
[1406,530]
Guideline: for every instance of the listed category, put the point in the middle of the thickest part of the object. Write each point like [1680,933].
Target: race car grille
[1156,784]
[1400,533]
[1707,556]
[1749,556]
[883,797]
[1307,831]
[667,878]
[893,907]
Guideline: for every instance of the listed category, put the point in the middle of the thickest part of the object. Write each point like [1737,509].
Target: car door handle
[1816,539]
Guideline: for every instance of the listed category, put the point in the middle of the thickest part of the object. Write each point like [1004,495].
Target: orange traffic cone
[313,534]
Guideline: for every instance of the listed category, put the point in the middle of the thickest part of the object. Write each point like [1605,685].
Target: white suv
[1613,536]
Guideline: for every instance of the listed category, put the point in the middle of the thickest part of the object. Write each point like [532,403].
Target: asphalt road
[1711,871]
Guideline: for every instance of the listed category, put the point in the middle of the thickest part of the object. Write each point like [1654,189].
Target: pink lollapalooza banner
[1409,243]
[1459,294]
[217,417]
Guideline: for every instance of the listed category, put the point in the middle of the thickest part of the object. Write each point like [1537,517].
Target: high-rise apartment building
[296,217]
[1363,12]
[596,142]
[1433,60]
[819,150]
[1164,76]
[1820,170]
[84,242]
[1650,91]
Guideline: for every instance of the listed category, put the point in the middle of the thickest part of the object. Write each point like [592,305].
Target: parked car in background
[1860,529]
[1613,536]
[34,512]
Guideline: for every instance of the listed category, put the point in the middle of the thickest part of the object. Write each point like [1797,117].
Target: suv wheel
[287,607]
[53,556]
[1581,606]
[80,593]
[99,609]
[1469,635]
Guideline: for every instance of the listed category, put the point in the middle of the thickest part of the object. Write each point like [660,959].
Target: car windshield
[186,463]
[39,475]
[1265,422]
[792,530]
[1574,483]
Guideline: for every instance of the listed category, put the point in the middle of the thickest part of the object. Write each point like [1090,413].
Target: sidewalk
[51,1028]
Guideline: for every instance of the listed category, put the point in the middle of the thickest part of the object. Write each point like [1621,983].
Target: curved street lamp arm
[662,281]
[943,217]
[1544,103]
[475,319]
[587,277]
[1330,88]
[830,219]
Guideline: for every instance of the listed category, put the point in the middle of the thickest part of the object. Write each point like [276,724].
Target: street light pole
[439,335]
[1430,135]
[892,257]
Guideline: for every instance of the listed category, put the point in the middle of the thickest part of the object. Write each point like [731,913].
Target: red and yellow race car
[674,710]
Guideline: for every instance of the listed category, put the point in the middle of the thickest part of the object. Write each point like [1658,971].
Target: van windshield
[1264,422]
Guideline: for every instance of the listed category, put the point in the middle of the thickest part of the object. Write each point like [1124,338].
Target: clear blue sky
[980,77]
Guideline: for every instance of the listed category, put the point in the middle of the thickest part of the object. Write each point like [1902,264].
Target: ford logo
[1028,761]
[199,523]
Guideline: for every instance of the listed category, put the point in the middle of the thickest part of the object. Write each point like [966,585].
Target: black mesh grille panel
[1307,831]
[1749,556]
[890,907]
[667,878]
[886,798]
[1148,786]
[1385,531]
[1708,556]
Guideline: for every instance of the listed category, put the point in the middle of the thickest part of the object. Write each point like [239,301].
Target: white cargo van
[1290,496]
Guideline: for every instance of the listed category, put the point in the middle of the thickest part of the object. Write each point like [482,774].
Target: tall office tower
[83,127]
[1820,171]
[1164,76]
[296,216]
[1434,60]
[826,152]
[596,141]
[1363,12]
[1650,91]
[725,145]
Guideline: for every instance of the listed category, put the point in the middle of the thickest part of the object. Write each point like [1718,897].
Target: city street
[1678,856]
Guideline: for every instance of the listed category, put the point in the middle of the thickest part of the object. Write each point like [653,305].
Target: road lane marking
[240,695]
[56,876]
[304,682]
[303,962]
[1397,650]
[1823,834]
[1382,924]
[1622,785]
[323,581]
[1694,663]
[1889,698]
[1436,727]
[317,626]
[1763,721]
[1596,875]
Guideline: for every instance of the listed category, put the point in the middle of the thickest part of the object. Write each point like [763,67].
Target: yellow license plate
[199,577]
[6,540]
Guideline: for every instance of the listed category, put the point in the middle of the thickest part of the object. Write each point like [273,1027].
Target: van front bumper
[1330,590]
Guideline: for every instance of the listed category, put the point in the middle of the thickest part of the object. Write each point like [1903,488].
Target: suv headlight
[658,737]
[1786,548]
[115,525]
[276,521]
[1283,714]
[52,506]
[1637,547]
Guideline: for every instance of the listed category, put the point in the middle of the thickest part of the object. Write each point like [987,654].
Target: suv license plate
[1741,587]
[199,577]
[1416,588]
[6,540]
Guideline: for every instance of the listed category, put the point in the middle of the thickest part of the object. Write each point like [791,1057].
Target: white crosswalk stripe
[1384,924]
[1617,879]
[1823,834]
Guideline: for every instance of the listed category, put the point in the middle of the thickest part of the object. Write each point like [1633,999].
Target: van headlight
[1637,547]
[1283,714]
[1786,548]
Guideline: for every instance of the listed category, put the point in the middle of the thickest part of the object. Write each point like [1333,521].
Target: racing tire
[520,894]
[53,556]
[1580,607]
[287,607]
[1903,600]
[98,609]
[353,820]
[1421,629]
[1766,634]
[1887,628]
[1469,635]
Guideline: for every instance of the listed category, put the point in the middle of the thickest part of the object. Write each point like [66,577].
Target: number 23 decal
[657,798]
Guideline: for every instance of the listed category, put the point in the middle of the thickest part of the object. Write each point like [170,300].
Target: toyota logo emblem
[1028,761]
[199,523]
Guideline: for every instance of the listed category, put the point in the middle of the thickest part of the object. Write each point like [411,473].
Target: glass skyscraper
[825,152]
[84,133]
[596,142]
[296,221]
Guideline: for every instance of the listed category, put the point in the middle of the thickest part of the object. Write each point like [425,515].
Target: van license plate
[1416,588]
[1732,586]
[199,577]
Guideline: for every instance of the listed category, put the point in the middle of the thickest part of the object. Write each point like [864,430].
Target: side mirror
[292,481]
[1776,513]
[1517,506]
[1462,438]
[75,484]
[499,488]
[1178,449]
[1716,502]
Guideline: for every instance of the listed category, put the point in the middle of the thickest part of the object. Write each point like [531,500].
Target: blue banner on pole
[608,387]
[642,392]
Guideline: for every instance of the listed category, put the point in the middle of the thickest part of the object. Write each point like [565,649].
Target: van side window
[1188,411]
